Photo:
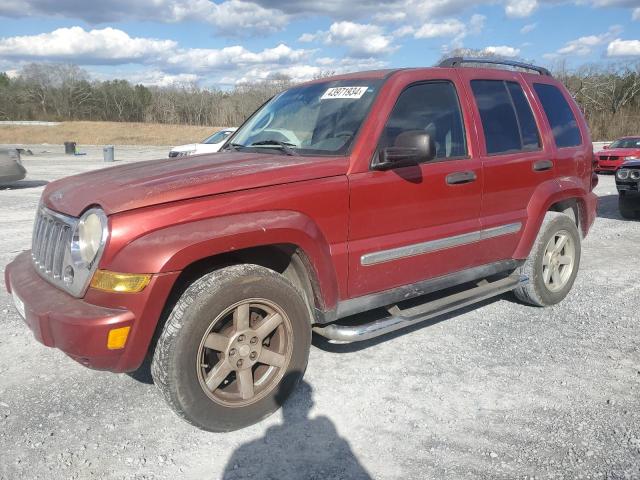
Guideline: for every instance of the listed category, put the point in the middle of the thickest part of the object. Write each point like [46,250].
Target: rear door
[417,222]
[514,156]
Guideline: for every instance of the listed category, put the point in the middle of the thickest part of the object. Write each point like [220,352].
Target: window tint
[563,122]
[528,127]
[507,119]
[433,108]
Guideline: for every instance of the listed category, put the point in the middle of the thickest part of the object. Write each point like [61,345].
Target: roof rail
[458,61]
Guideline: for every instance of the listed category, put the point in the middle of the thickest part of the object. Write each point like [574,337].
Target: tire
[203,337]
[625,206]
[543,290]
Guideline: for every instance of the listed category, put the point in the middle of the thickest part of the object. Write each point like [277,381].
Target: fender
[544,196]
[174,247]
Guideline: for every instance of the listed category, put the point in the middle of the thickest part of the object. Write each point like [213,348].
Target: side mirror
[410,148]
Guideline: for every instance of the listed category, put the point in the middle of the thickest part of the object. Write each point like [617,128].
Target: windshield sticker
[344,92]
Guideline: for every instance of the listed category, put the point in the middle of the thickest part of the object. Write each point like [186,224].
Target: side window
[434,108]
[507,119]
[563,122]
[528,127]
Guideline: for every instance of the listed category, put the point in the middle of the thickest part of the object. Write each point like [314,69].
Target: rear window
[507,120]
[563,123]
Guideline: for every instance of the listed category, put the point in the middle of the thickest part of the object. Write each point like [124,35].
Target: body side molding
[438,244]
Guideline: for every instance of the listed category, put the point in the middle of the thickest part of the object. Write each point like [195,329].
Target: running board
[399,318]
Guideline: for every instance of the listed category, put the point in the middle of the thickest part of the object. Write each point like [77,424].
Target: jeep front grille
[50,243]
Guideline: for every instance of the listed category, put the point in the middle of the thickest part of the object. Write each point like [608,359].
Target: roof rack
[458,61]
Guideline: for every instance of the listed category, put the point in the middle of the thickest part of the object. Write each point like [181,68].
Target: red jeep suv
[408,193]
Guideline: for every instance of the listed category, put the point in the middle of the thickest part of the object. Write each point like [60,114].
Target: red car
[407,193]
[615,154]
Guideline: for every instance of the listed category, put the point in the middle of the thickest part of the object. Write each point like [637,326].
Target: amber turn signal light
[117,338]
[119,282]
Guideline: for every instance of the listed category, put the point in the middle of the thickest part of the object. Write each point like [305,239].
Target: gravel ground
[497,391]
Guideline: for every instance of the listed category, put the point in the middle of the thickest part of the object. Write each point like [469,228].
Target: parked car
[628,185]
[210,144]
[409,193]
[11,168]
[615,154]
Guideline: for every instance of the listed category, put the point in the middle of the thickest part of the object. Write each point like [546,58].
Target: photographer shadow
[299,448]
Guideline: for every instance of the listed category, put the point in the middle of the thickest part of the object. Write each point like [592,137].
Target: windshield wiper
[234,146]
[285,146]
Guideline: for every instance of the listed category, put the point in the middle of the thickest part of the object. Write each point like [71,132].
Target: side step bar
[399,318]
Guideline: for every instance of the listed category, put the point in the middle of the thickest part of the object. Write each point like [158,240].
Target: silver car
[11,169]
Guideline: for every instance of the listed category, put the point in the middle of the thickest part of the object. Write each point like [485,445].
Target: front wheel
[553,263]
[627,207]
[234,347]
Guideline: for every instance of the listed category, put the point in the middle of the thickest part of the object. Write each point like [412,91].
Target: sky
[225,42]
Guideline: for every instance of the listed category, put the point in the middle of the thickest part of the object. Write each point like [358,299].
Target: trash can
[70,148]
[108,153]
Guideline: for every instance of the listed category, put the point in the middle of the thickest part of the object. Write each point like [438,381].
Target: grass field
[104,133]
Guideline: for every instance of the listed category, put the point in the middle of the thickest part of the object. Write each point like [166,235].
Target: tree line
[608,94]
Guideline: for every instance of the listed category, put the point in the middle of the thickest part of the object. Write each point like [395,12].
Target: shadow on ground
[608,207]
[324,344]
[300,447]
[22,184]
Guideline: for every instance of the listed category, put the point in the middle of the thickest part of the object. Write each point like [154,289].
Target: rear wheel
[627,207]
[234,347]
[553,263]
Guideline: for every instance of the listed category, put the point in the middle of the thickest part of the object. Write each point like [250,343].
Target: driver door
[417,222]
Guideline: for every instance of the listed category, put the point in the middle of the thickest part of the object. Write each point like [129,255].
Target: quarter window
[431,107]
[507,120]
[561,118]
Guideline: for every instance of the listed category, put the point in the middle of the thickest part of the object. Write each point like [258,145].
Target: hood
[184,148]
[619,152]
[143,184]
[631,164]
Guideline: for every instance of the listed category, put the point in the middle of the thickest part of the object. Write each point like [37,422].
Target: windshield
[217,137]
[626,143]
[321,118]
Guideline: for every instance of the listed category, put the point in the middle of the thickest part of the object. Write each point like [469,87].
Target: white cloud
[520,8]
[635,15]
[250,17]
[447,28]
[100,46]
[502,50]
[232,17]
[623,48]
[202,59]
[167,61]
[362,40]
[528,28]
[451,27]
[585,45]
[305,71]
[157,78]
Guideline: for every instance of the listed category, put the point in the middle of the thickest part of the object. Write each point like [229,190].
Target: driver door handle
[459,178]
[542,165]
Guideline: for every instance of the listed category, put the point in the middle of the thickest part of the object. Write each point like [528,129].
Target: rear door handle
[458,178]
[542,165]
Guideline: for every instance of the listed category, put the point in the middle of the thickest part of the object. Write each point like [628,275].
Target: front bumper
[604,166]
[79,327]
[630,186]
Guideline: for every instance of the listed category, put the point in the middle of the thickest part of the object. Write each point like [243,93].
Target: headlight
[622,174]
[634,174]
[89,237]
[632,158]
